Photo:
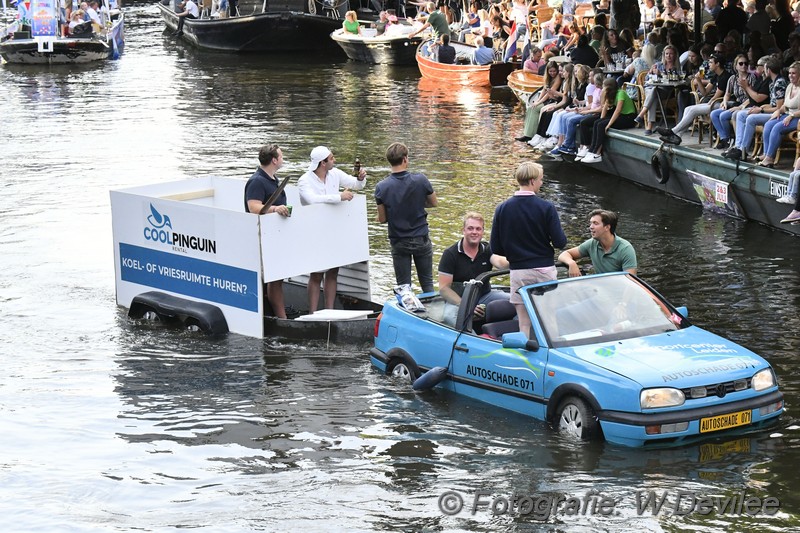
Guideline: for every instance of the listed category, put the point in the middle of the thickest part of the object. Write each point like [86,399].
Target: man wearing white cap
[320,184]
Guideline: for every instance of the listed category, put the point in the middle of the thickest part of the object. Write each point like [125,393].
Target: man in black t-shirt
[258,189]
[715,89]
[470,257]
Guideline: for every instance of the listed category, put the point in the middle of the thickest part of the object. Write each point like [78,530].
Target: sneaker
[639,121]
[555,151]
[536,140]
[592,158]
[666,132]
[648,131]
[583,151]
[549,143]
[671,137]
[555,157]
[567,150]
[723,144]
[732,153]
[786,199]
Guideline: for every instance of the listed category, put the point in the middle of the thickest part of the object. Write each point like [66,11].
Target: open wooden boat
[524,84]
[462,73]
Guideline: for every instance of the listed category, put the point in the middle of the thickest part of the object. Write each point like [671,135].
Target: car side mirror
[683,310]
[519,341]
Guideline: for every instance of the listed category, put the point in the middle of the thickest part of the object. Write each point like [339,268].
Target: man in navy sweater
[524,230]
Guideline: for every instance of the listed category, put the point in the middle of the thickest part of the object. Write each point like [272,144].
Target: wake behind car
[608,357]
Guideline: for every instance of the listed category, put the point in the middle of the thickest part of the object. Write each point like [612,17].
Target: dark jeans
[585,127]
[421,250]
[181,20]
[623,122]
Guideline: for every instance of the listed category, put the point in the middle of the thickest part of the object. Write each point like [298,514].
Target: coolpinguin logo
[162,232]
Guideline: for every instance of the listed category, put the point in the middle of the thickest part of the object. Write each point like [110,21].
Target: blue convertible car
[608,357]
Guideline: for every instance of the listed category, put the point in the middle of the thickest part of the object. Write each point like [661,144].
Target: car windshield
[597,309]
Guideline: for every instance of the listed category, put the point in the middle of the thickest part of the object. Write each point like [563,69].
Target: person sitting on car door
[607,251]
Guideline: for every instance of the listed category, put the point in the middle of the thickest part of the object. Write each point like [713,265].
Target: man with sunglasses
[715,89]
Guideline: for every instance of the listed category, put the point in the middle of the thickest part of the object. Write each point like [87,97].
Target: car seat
[500,318]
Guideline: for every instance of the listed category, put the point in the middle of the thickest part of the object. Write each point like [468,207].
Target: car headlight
[663,397]
[763,379]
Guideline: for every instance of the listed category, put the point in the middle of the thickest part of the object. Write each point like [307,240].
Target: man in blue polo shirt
[470,257]
[607,252]
[402,197]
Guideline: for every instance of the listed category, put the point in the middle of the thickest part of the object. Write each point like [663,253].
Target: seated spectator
[758,115]
[380,24]
[704,107]
[350,24]
[648,14]
[190,10]
[617,110]
[570,121]
[744,90]
[794,216]
[468,258]
[549,94]
[535,63]
[76,19]
[784,119]
[583,53]
[792,187]
[578,95]
[668,65]
[445,52]
[672,11]
[482,55]
[568,85]
[596,42]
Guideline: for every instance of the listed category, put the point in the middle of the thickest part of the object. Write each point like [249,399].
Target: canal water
[105,425]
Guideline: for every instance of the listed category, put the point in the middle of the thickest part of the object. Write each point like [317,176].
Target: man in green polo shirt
[607,252]
[437,20]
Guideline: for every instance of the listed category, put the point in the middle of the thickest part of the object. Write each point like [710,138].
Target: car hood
[689,357]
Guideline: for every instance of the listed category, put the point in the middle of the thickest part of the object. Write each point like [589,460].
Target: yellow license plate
[731,420]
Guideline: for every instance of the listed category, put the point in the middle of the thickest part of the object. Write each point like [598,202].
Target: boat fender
[660,164]
[430,379]
[206,317]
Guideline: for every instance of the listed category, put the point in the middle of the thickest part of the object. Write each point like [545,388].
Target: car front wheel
[576,419]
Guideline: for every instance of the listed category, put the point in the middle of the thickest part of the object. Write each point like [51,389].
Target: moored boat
[279,27]
[462,72]
[695,173]
[31,45]
[523,84]
[187,252]
[397,49]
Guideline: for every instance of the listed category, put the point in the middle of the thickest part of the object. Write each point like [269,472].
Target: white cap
[318,154]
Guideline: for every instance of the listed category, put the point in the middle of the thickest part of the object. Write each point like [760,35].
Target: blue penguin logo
[157,220]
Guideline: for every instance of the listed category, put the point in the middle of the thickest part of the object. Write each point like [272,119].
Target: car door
[511,378]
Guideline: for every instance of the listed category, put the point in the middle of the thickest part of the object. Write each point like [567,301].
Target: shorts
[528,276]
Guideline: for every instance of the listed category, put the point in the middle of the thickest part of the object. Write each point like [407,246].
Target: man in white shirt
[190,10]
[320,184]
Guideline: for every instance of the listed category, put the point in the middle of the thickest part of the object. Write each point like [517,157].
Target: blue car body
[592,366]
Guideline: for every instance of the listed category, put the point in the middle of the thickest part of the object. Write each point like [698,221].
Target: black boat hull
[286,31]
[377,50]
